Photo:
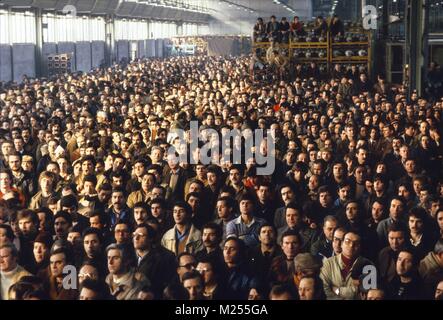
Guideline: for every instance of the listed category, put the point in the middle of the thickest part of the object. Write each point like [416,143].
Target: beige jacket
[127,287]
[193,243]
[137,196]
[36,201]
[331,276]
[428,265]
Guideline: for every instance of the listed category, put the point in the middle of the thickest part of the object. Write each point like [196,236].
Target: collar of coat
[192,237]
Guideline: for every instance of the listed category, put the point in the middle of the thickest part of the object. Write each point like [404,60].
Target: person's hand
[336,290]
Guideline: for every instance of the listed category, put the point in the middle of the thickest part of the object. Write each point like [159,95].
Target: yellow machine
[353,48]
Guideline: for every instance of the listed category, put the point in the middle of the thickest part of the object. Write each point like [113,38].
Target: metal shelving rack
[329,46]
[356,45]
[304,46]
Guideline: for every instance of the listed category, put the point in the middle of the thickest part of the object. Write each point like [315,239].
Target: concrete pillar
[363,5]
[39,43]
[110,54]
[179,29]
[416,53]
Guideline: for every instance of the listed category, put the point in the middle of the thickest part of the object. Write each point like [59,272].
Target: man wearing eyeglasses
[337,240]
[186,263]
[336,271]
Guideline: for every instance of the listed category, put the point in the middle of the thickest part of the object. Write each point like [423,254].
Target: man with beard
[213,178]
[20,179]
[28,225]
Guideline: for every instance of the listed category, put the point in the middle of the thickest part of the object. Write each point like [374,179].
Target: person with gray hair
[124,283]
[10,271]
[431,268]
[323,246]
[306,265]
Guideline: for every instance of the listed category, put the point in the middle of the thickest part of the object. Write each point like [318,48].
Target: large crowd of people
[90,193]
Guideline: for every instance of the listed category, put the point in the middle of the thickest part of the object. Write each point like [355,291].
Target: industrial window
[58,28]
[190,29]
[17,27]
[435,16]
[202,30]
[4,27]
[131,30]
[162,29]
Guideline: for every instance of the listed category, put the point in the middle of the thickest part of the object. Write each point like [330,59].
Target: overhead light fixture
[285,5]
[236,6]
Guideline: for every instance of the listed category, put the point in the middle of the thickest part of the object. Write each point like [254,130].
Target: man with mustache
[211,237]
[62,224]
